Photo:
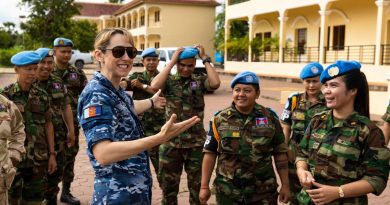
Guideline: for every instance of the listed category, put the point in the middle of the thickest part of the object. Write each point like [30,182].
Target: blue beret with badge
[149,52]
[339,68]
[25,58]
[188,52]
[62,42]
[311,70]
[44,52]
[245,77]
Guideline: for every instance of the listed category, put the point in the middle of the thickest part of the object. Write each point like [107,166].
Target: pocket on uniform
[230,145]
[40,151]
[261,139]
[39,118]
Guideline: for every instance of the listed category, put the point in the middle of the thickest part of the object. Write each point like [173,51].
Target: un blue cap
[44,52]
[339,68]
[25,58]
[311,70]
[188,52]
[149,52]
[245,77]
[62,42]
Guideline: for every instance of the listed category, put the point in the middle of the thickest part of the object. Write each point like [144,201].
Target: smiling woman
[116,144]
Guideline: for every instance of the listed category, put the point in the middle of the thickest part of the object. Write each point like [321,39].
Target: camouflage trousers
[153,155]
[295,185]
[172,161]
[223,199]
[70,158]
[29,185]
[55,178]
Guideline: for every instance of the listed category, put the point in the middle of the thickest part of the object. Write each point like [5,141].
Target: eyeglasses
[119,51]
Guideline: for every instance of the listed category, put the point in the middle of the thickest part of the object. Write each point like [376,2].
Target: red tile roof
[97,9]
[135,3]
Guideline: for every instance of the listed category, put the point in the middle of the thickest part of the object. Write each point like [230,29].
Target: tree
[83,35]
[48,19]
[8,35]
[219,39]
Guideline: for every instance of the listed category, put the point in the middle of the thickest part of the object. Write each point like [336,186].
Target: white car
[165,56]
[137,61]
[79,59]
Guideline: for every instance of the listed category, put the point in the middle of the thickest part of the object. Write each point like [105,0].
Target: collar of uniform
[257,111]
[351,121]
[103,80]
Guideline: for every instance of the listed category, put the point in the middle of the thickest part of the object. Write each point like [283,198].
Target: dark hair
[357,80]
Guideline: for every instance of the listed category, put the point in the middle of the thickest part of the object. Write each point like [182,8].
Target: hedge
[6,54]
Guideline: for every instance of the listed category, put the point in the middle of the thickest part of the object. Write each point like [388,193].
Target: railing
[301,54]
[232,2]
[241,57]
[385,54]
[266,55]
[365,54]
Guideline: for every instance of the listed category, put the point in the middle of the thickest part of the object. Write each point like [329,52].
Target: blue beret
[44,52]
[311,70]
[188,52]
[245,77]
[62,42]
[149,52]
[339,68]
[25,58]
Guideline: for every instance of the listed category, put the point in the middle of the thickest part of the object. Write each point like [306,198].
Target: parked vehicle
[165,57]
[137,61]
[79,59]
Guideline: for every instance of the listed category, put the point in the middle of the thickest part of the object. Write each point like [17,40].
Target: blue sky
[10,11]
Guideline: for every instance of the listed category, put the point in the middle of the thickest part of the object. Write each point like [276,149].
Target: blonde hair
[103,38]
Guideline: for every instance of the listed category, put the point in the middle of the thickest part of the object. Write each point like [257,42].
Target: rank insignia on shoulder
[236,134]
[92,111]
[261,121]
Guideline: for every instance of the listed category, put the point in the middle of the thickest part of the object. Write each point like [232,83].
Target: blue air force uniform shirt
[106,113]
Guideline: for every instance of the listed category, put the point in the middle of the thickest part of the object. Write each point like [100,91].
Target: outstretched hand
[171,129]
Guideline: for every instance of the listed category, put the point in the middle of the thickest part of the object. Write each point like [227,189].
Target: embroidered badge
[249,79]
[3,108]
[72,76]
[61,42]
[193,84]
[51,52]
[333,71]
[236,134]
[56,86]
[285,115]
[261,121]
[314,70]
[92,111]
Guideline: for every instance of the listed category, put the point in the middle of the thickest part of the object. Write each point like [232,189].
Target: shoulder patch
[92,111]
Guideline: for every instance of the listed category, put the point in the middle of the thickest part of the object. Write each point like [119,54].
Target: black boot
[68,198]
[50,202]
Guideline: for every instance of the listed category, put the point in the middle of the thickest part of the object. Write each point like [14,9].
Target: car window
[139,52]
[170,53]
[162,55]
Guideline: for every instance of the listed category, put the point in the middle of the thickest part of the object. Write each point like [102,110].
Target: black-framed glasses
[119,51]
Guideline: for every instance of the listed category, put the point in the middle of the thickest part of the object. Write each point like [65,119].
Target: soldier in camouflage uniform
[185,97]
[30,180]
[386,124]
[244,137]
[299,110]
[75,81]
[343,156]
[12,138]
[139,83]
[62,118]
[116,145]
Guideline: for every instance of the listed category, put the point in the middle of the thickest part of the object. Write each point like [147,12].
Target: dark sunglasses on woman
[119,51]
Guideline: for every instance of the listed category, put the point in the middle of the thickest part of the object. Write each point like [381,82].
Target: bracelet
[151,101]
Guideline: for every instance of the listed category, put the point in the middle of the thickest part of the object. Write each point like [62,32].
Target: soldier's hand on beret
[202,53]
[176,54]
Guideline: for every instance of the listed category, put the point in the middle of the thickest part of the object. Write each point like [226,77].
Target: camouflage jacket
[298,112]
[58,100]
[153,119]
[386,116]
[35,108]
[245,148]
[343,151]
[12,134]
[106,113]
[185,97]
[74,80]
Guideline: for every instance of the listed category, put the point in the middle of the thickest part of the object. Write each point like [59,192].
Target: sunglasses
[119,51]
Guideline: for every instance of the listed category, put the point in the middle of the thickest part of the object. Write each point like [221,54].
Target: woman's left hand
[323,194]
[284,194]
[159,102]
[52,167]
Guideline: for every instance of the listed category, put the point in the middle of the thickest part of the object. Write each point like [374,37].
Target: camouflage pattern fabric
[106,113]
[245,146]
[343,151]
[386,116]
[35,108]
[59,99]
[297,113]
[153,119]
[12,136]
[74,80]
[185,98]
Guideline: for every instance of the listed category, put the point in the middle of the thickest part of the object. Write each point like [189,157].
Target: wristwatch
[144,86]
[341,192]
[206,60]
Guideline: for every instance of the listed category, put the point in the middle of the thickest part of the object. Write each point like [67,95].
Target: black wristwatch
[206,60]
